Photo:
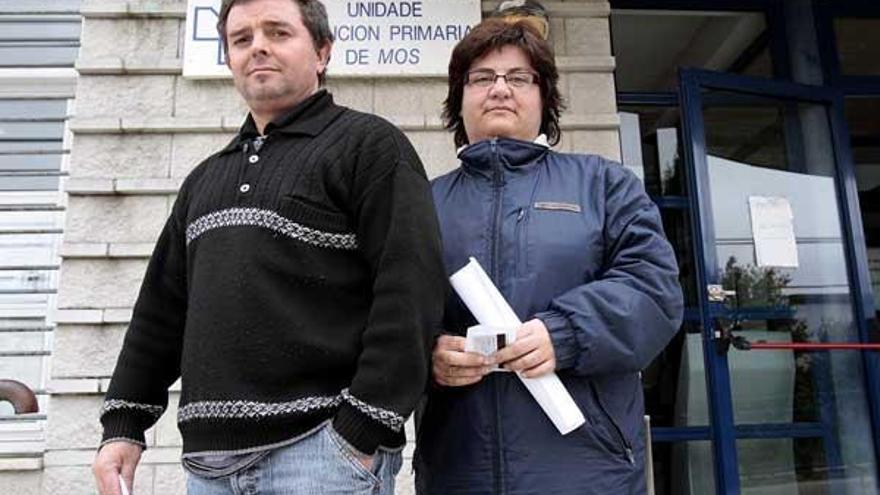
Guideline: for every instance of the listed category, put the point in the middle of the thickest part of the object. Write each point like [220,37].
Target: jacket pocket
[314,214]
[623,445]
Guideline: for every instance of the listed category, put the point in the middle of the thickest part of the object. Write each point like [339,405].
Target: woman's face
[501,110]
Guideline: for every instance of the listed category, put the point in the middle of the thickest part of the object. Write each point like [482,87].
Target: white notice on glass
[773,231]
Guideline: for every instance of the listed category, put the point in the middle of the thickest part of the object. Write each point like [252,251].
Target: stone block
[87,185]
[74,422]
[77,316]
[75,386]
[353,93]
[436,150]
[409,102]
[127,38]
[170,479]
[124,96]
[188,150]
[116,315]
[94,283]
[84,250]
[86,350]
[78,480]
[121,155]
[604,143]
[587,36]
[590,93]
[115,218]
[21,482]
[405,481]
[557,35]
[130,249]
[215,97]
[147,185]
[167,434]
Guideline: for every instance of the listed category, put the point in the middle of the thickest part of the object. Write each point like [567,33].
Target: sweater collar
[308,117]
[514,156]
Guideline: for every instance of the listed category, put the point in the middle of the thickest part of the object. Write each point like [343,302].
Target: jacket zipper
[627,448]
[496,234]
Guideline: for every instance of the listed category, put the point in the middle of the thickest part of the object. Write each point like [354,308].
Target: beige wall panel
[587,36]
[153,38]
[120,155]
[78,480]
[167,434]
[73,422]
[170,480]
[100,283]
[590,93]
[188,150]
[86,350]
[208,98]
[436,150]
[411,102]
[604,143]
[132,97]
[352,93]
[115,218]
[21,482]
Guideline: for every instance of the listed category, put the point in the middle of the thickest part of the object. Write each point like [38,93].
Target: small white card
[486,340]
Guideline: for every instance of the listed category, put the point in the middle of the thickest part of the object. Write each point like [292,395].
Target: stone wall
[140,127]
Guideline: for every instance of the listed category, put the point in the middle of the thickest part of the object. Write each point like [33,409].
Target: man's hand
[366,460]
[532,352]
[114,459]
[453,367]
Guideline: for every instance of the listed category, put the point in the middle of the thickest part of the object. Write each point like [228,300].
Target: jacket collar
[309,117]
[512,155]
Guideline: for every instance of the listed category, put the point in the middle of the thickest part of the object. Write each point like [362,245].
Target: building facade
[752,122]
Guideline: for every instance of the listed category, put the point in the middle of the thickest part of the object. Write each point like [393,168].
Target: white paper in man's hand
[122,488]
[489,307]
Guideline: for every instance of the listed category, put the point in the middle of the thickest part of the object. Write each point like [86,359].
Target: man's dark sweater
[299,278]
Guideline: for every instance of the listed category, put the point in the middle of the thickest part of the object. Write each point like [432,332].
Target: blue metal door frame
[722,429]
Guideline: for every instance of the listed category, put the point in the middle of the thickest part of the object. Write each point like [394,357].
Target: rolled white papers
[488,306]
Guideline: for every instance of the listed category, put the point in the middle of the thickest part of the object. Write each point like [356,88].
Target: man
[295,288]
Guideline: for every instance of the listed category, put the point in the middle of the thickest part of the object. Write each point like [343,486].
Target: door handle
[717,293]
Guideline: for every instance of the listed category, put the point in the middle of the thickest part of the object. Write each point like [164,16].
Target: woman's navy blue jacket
[574,241]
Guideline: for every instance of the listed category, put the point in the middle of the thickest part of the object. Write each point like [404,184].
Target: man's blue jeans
[319,463]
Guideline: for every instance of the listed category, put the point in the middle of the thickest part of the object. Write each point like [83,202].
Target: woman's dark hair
[495,34]
[314,17]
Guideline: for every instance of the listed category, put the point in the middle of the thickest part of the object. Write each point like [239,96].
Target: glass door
[784,292]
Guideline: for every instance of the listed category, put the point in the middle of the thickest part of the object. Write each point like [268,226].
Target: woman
[578,250]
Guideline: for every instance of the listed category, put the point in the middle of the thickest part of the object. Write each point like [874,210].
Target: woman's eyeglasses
[484,78]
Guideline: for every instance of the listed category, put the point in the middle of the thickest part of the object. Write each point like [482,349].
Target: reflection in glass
[858,45]
[649,46]
[651,140]
[864,127]
[766,149]
[810,472]
[672,473]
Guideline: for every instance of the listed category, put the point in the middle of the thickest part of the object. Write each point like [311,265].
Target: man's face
[272,56]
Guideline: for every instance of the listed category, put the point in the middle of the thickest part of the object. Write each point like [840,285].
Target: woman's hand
[453,367]
[532,352]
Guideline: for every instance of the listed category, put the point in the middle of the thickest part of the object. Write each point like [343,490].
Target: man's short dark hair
[495,34]
[314,17]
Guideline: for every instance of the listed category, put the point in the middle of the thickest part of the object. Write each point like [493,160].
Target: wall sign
[373,38]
